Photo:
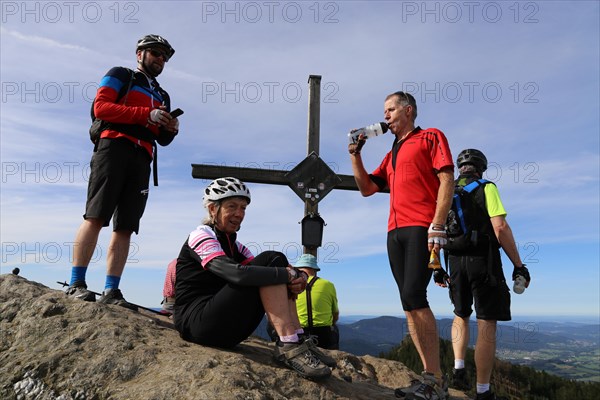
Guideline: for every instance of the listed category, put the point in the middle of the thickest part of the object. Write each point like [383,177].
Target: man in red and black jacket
[135,111]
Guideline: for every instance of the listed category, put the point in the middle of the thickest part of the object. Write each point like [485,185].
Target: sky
[518,80]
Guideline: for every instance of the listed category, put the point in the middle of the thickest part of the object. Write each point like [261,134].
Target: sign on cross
[311,179]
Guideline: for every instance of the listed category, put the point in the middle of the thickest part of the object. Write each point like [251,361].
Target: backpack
[468,220]
[98,125]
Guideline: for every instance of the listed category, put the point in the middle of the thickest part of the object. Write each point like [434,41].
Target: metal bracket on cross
[312,179]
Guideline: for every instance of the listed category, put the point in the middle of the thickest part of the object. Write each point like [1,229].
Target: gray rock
[55,347]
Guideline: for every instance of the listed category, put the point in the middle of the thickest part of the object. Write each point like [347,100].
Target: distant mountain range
[379,334]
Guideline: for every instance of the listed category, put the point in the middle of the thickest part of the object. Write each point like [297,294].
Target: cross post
[311,179]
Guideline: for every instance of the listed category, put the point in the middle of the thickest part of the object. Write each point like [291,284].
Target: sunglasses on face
[159,53]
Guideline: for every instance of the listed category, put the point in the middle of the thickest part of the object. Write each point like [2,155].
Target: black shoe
[80,291]
[489,395]
[460,380]
[114,296]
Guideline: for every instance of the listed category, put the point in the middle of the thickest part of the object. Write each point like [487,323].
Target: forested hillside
[512,381]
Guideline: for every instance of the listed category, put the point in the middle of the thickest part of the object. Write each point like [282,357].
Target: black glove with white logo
[440,277]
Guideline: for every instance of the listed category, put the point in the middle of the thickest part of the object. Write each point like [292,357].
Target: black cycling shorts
[408,255]
[328,337]
[118,185]
[233,313]
[470,283]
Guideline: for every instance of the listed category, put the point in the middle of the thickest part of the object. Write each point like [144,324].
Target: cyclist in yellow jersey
[324,311]
[476,277]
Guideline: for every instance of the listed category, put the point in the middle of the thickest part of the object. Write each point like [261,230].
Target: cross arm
[259,175]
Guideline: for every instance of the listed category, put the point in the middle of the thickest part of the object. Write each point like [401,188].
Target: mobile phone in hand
[176,113]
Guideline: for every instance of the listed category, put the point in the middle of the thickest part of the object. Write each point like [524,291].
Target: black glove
[355,147]
[523,271]
[440,276]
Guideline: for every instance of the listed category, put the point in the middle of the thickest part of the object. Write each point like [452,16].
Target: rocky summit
[55,347]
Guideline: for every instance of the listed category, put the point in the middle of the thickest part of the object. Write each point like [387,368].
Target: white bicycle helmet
[223,188]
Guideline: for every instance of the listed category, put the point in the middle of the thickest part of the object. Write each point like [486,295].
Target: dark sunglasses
[405,96]
[159,53]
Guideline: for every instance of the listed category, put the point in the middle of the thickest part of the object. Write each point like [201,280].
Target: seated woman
[222,292]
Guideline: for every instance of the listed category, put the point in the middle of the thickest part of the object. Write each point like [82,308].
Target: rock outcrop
[55,347]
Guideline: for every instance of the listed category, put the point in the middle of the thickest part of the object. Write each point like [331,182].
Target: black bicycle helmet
[473,157]
[153,41]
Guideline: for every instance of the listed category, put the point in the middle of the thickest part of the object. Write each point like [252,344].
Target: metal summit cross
[311,179]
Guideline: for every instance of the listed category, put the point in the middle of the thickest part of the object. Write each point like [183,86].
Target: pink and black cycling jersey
[211,259]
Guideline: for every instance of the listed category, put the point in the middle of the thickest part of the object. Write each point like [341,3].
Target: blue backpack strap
[460,212]
[471,186]
[467,188]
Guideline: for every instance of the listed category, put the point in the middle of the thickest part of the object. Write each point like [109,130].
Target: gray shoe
[298,357]
[326,359]
[168,305]
[424,388]
[114,296]
[430,389]
[402,393]
[80,291]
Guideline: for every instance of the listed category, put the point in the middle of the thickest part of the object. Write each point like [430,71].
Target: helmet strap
[142,64]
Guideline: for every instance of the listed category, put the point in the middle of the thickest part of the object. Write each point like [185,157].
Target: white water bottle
[519,285]
[369,131]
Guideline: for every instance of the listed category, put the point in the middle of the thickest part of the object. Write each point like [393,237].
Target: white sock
[483,387]
[289,339]
[459,364]
[299,331]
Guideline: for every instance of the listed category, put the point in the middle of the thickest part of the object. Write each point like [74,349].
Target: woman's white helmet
[223,188]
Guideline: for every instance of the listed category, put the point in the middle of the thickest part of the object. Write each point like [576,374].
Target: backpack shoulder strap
[475,184]
[124,91]
[309,302]
[469,188]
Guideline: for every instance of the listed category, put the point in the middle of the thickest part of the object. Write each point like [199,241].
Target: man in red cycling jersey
[419,173]
[120,165]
